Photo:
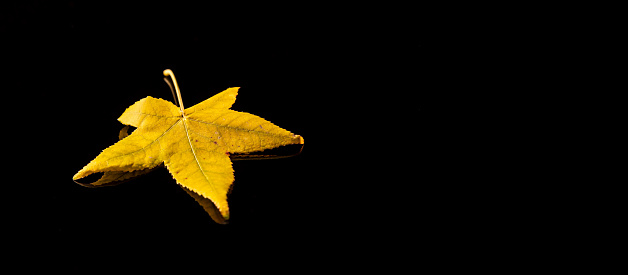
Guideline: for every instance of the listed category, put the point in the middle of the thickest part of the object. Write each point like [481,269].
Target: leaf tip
[79,175]
[301,141]
[233,91]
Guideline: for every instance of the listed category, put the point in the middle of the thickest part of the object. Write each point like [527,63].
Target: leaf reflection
[112,178]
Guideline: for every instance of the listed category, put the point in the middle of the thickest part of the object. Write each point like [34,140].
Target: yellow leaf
[111,178]
[194,146]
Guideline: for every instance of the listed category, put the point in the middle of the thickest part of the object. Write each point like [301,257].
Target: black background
[336,75]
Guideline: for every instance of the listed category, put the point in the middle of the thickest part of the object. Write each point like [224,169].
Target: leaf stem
[168,72]
[174,96]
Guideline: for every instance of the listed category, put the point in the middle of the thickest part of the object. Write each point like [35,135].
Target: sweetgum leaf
[194,146]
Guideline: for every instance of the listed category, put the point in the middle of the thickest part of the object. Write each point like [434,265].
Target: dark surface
[73,67]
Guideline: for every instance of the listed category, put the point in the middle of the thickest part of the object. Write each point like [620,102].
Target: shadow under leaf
[112,178]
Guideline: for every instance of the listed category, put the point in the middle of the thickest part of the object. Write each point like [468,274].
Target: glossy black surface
[71,68]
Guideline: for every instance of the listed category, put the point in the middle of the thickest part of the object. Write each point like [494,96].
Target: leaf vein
[144,148]
[233,127]
[142,113]
[185,126]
